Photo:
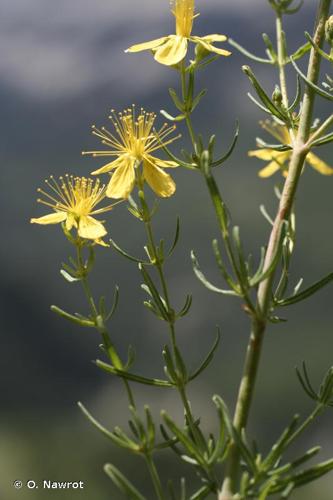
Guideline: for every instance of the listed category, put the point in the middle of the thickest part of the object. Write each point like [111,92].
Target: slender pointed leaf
[131,376]
[306,293]
[208,358]
[122,482]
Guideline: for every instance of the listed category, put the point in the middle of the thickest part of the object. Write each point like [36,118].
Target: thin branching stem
[264,292]
[99,322]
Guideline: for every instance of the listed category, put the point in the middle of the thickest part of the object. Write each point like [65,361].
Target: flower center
[184,14]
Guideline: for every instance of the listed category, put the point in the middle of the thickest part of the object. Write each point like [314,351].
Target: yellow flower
[278,160]
[172,49]
[73,200]
[133,143]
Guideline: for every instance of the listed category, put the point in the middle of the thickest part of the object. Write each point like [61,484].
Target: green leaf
[150,427]
[295,9]
[201,493]
[234,434]
[247,53]
[279,447]
[127,255]
[122,482]
[310,474]
[177,102]
[305,382]
[201,277]
[180,364]
[306,293]
[184,439]
[115,303]
[68,277]
[325,139]
[317,89]
[154,293]
[304,49]
[198,98]
[206,362]
[263,275]
[128,444]
[298,96]
[222,267]
[170,367]
[176,238]
[185,309]
[131,376]
[130,357]
[270,49]
[274,147]
[230,150]
[240,254]
[171,118]
[79,320]
[263,96]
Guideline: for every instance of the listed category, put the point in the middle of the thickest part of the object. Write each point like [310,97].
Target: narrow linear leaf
[298,96]
[262,94]
[201,493]
[301,51]
[247,53]
[208,358]
[68,277]
[184,439]
[127,255]
[201,277]
[79,320]
[315,87]
[111,435]
[306,293]
[122,482]
[171,118]
[176,238]
[131,376]
[230,150]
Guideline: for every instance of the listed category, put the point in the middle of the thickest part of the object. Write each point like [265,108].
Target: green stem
[264,292]
[221,215]
[314,414]
[171,321]
[187,113]
[281,59]
[99,322]
[155,477]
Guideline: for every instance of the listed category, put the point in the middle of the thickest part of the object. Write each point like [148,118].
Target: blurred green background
[62,69]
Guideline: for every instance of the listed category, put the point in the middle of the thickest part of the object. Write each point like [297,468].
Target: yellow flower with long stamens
[134,143]
[278,160]
[73,200]
[172,49]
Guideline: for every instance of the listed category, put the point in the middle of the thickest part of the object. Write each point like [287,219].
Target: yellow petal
[122,181]
[153,44]
[109,166]
[70,222]
[319,164]
[208,46]
[91,228]
[269,154]
[53,218]
[163,163]
[101,243]
[269,170]
[213,38]
[160,182]
[172,51]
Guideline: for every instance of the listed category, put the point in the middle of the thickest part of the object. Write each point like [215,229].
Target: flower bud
[329,30]
[277,96]
[200,53]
